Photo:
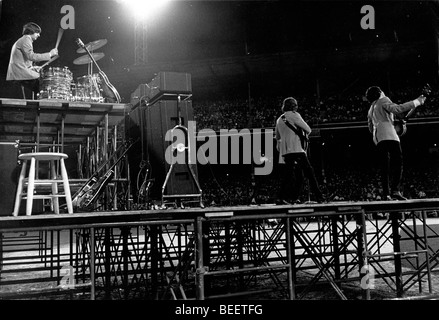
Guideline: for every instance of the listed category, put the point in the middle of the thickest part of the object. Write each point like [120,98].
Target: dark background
[247,49]
[277,46]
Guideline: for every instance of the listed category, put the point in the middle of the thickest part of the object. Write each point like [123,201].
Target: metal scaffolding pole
[140,42]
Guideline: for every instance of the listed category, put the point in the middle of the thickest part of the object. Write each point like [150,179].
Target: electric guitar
[304,137]
[108,89]
[401,124]
[90,191]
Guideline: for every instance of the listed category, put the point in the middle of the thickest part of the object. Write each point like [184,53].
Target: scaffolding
[278,252]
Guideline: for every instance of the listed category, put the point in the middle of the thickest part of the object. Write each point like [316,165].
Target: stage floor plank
[172,216]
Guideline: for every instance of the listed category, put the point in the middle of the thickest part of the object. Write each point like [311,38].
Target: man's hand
[421,99]
[36,68]
[53,52]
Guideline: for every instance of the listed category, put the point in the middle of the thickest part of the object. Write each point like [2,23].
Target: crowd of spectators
[262,112]
[223,187]
[239,187]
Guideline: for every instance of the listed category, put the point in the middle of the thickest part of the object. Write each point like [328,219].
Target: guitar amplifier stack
[164,86]
[140,94]
[162,112]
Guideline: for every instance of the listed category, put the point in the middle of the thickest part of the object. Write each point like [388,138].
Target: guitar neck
[109,88]
[409,113]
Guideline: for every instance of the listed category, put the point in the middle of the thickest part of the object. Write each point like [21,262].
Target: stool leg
[55,200]
[65,180]
[19,194]
[23,92]
[30,188]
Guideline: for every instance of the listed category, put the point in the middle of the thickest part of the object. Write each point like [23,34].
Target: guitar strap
[303,138]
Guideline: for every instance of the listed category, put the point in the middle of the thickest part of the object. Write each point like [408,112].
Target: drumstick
[60,33]
[50,61]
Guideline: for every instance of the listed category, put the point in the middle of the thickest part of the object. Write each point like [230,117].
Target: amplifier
[142,92]
[169,85]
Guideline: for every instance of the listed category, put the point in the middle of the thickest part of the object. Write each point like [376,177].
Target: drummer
[21,67]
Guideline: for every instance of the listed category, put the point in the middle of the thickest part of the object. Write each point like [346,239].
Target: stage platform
[102,218]
[24,120]
[223,252]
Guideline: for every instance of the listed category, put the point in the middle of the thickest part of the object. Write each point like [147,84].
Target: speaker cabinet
[151,123]
[168,85]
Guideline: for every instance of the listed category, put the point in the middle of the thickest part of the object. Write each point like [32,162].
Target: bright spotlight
[144,8]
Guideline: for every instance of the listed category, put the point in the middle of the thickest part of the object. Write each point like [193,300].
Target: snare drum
[55,83]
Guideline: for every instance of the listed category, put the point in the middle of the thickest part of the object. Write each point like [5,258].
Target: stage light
[142,9]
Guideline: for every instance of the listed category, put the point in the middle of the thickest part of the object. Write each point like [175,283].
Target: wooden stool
[35,158]
[23,92]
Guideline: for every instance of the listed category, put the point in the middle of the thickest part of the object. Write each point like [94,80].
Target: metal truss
[284,254]
[330,245]
[141,42]
[421,257]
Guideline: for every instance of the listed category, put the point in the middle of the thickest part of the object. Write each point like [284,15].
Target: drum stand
[93,84]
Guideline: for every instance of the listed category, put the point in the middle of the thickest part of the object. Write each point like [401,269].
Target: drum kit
[57,82]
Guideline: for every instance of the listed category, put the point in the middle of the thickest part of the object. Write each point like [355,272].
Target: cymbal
[86,58]
[91,46]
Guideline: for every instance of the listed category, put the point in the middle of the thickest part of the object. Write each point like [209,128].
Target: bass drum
[55,83]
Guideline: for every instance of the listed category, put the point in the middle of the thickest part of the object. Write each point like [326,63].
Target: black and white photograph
[219,159]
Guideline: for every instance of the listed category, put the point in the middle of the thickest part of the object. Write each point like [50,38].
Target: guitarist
[292,135]
[381,118]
